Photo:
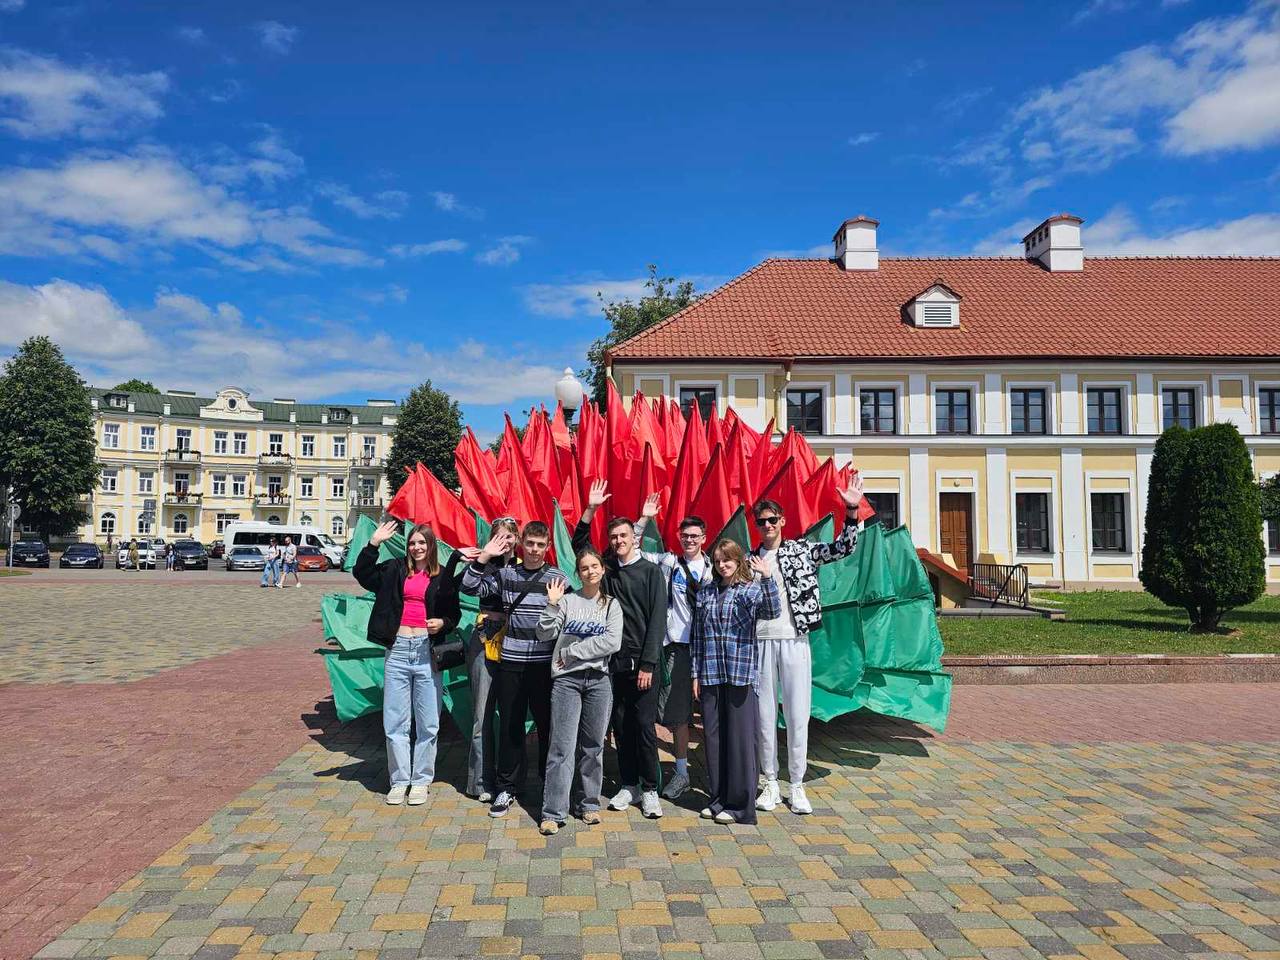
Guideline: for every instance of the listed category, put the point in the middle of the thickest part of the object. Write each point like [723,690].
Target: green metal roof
[272,412]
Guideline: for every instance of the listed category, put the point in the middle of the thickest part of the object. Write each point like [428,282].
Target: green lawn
[1113,621]
[10,572]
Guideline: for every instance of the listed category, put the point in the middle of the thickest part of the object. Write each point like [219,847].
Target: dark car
[30,553]
[245,558]
[82,555]
[217,550]
[189,555]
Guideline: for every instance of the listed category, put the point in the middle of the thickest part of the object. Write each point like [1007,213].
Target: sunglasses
[763,522]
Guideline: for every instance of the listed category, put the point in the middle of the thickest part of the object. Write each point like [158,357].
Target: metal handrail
[997,582]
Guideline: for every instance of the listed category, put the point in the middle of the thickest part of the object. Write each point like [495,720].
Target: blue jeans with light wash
[411,691]
[272,571]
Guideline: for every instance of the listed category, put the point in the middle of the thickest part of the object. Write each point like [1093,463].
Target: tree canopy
[136,386]
[427,431]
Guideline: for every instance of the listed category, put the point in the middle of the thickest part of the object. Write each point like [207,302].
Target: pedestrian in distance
[586,628]
[271,568]
[786,662]
[641,591]
[170,559]
[414,605]
[134,556]
[289,559]
[725,667]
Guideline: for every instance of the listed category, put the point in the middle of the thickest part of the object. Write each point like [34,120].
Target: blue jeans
[411,690]
[270,571]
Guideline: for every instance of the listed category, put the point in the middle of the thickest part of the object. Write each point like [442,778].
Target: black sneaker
[501,804]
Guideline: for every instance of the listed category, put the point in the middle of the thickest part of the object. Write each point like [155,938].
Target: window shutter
[937,314]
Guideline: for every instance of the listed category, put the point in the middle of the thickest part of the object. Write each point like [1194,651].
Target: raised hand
[853,495]
[555,591]
[501,542]
[469,553]
[652,504]
[761,566]
[384,533]
[598,494]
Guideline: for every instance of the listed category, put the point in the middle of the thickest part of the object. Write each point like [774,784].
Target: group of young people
[645,639]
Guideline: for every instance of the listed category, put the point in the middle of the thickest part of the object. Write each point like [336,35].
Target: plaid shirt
[724,645]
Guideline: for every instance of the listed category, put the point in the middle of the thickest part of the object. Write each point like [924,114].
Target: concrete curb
[1138,668]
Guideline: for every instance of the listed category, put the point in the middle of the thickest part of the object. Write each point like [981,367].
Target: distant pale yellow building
[1004,408]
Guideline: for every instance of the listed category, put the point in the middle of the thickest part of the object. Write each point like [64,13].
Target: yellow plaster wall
[1109,460]
[1040,571]
[651,388]
[1113,571]
[1103,484]
[1231,394]
[946,464]
[1033,459]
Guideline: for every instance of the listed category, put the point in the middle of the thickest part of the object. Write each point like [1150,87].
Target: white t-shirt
[290,553]
[679,614]
[781,626]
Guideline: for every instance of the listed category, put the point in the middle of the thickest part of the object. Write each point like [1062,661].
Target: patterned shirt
[724,645]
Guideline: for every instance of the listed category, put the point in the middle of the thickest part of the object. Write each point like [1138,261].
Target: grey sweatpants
[483,755]
[580,705]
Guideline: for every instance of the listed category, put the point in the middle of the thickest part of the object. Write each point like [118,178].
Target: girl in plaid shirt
[725,668]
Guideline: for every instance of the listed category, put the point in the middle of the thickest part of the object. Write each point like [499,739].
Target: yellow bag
[492,643]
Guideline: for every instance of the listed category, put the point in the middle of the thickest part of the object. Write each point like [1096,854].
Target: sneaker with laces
[770,796]
[418,793]
[799,801]
[395,796]
[591,817]
[650,806]
[724,816]
[548,828]
[623,798]
[676,787]
[501,804]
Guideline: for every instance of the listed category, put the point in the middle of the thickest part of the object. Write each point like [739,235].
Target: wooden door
[955,522]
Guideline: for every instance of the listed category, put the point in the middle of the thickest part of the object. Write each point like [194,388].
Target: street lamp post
[569,393]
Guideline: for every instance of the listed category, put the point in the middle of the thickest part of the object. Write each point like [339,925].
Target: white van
[255,533]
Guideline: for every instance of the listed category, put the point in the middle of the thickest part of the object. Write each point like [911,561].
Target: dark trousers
[635,711]
[730,727]
[516,694]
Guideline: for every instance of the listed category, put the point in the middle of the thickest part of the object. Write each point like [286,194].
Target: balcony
[182,498]
[275,460]
[368,463]
[182,456]
[271,499]
[363,501]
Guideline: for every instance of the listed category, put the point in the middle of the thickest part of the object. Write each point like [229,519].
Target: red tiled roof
[1128,307]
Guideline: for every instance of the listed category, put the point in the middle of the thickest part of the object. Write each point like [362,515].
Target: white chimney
[856,244]
[1056,244]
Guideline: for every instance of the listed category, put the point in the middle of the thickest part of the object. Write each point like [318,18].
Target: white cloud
[505,251]
[42,97]
[582,297]
[862,138]
[12,6]
[386,204]
[192,35]
[392,292]
[224,92]
[1119,234]
[449,203]
[79,318]
[276,36]
[1096,8]
[404,250]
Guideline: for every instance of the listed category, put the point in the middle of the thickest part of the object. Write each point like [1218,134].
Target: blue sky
[316,201]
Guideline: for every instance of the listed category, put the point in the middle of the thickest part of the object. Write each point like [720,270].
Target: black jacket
[641,590]
[386,581]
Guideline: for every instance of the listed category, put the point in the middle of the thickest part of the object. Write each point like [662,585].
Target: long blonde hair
[726,549]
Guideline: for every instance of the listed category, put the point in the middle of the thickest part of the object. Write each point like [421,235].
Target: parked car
[30,553]
[189,555]
[82,555]
[312,560]
[217,550]
[146,555]
[245,558]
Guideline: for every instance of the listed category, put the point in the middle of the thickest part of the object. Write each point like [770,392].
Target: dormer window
[938,306]
[117,400]
[339,414]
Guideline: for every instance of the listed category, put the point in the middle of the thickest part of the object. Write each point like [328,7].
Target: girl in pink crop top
[414,613]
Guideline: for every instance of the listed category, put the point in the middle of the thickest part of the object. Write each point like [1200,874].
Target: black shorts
[675,699]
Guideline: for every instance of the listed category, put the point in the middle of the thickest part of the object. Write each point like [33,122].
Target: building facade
[1005,409]
[177,465]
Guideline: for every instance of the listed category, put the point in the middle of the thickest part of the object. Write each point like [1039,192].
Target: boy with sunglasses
[785,659]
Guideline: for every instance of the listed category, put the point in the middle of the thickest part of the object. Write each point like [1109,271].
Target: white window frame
[147,437]
[109,481]
[306,487]
[339,446]
[221,441]
[239,485]
[146,481]
[976,411]
[1050,406]
[1126,405]
[181,524]
[337,488]
[275,444]
[107,523]
[968,484]
[111,436]
[239,443]
[900,391]
[1131,555]
[182,481]
[824,388]
[278,480]
[1034,483]
[143,525]
[715,385]
[369,445]
[1201,404]
[219,485]
[337,526]
[224,520]
[308,444]
[183,438]
[1255,415]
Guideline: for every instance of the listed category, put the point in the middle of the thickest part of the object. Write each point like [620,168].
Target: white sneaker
[706,813]
[799,801]
[677,786]
[724,816]
[418,794]
[395,796]
[485,796]
[770,796]
[650,806]
[623,799]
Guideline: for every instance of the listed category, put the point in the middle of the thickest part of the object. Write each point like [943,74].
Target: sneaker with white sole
[418,794]
[770,796]
[501,804]
[650,806]
[799,800]
[395,796]
[485,797]
[706,813]
[623,798]
[724,816]
[676,787]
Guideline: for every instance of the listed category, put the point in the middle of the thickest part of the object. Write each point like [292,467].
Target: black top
[641,591]
[386,581]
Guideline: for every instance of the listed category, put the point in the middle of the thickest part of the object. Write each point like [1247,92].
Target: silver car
[245,558]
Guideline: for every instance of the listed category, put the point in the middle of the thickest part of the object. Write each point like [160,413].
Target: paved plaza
[174,784]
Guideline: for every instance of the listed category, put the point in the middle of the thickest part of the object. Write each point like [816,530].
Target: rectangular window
[147,440]
[1269,411]
[1026,408]
[306,486]
[111,436]
[219,484]
[1179,407]
[886,508]
[220,441]
[240,443]
[308,444]
[879,411]
[146,481]
[275,444]
[1109,534]
[238,484]
[804,411]
[1105,406]
[182,482]
[274,486]
[1032,520]
[1273,538]
[109,480]
[337,487]
[704,396]
[183,439]
[370,447]
[225,520]
[339,446]
[951,411]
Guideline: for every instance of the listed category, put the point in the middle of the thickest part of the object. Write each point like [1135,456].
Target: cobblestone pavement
[1026,831]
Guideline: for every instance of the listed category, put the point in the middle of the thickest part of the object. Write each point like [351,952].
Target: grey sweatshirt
[585,633]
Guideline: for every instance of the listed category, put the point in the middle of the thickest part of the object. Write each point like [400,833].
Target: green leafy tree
[47,447]
[1209,557]
[427,430]
[136,386]
[1269,489]
[626,319]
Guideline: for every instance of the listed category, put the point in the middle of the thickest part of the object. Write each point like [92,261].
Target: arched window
[144,525]
[273,519]
[306,519]
[107,525]
[179,523]
[339,526]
